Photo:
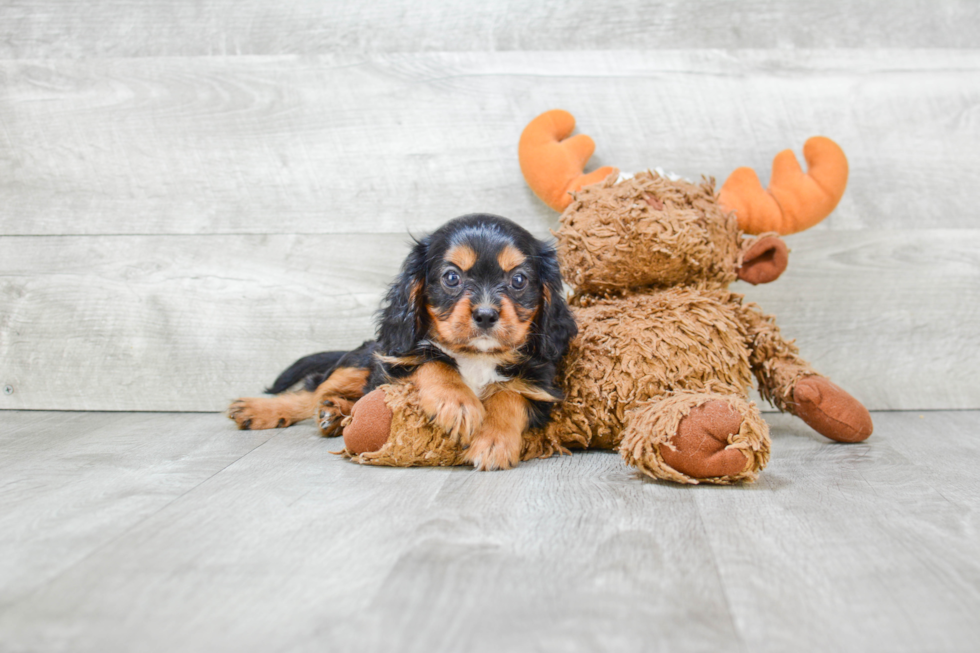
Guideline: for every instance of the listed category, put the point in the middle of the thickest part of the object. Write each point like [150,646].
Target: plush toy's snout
[764,260]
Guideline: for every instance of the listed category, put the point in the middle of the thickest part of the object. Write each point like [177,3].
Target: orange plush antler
[552,163]
[795,200]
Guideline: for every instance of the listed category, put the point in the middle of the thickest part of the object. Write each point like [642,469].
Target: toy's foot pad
[699,447]
[370,424]
[830,410]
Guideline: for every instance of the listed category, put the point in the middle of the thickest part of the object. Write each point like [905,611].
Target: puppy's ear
[402,320]
[554,325]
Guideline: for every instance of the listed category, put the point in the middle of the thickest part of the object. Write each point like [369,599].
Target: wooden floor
[167,532]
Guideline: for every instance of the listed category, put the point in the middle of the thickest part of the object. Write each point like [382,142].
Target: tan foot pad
[370,424]
[830,410]
[701,440]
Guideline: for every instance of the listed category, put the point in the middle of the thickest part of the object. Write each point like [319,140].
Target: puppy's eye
[518,281]
[450,278]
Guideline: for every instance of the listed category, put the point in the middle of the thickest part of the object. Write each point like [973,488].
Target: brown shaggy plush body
[659,332]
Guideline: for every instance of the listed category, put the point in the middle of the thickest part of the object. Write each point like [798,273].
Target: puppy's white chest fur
[477,371]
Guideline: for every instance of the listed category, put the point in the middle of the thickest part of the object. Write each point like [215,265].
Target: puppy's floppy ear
[554,324]
[402,321]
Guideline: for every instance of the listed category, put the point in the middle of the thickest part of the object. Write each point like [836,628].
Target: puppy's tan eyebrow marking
[461,256]
[509,258]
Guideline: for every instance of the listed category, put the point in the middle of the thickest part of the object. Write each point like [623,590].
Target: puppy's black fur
[478,286]
[405,326]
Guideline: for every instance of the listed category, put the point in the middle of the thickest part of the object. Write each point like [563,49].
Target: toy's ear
[402,321]
[763,260]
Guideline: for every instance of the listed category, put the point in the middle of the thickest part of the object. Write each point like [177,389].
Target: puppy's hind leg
[337,377]
[254,413]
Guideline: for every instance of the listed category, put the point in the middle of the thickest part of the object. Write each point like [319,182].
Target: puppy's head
[479,284]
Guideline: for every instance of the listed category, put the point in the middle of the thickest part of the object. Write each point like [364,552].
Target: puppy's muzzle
[485,318]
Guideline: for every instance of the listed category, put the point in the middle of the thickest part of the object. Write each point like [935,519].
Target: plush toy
[665,354]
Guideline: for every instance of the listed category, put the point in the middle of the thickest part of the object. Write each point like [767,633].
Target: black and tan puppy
[476,318]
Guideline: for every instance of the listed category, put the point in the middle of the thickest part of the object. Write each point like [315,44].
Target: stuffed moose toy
[666,353]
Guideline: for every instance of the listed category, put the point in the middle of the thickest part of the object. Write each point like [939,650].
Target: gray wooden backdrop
[192,194]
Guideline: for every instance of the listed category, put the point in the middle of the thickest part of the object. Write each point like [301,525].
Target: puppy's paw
[493,449]
[256,413]
[457,413]
[330,415]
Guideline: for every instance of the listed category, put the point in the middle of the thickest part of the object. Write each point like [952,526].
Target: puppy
[476,319]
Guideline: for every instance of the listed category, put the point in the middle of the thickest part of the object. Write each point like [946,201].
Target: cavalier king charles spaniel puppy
[476,319]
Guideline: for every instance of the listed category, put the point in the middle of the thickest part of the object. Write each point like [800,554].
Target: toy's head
[651,231]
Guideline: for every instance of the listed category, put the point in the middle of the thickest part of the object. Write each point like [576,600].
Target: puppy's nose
[485,317]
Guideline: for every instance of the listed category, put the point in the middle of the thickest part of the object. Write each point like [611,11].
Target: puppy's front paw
[330,416]
[256,413]
[456,413]
[493,449]
[328,419]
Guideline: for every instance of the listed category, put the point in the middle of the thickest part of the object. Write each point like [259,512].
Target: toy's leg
[389,427]
[369,425]
[791,385]
[830,411]
[691,437]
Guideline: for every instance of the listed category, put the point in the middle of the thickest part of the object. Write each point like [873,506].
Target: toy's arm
[553,163]
[775,361]
[791,385]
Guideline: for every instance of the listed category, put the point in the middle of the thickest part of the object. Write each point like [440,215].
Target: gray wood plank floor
[164,532]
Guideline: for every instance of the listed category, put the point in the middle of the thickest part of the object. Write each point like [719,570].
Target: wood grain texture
[122,543]
[178,323]
[172,323]
[76,482]
[89,28]
[892,316]
[873,521]
[398,142]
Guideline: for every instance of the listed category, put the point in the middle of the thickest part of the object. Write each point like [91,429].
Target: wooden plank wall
[193,194]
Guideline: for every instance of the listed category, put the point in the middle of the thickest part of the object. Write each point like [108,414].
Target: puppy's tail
[320,364]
